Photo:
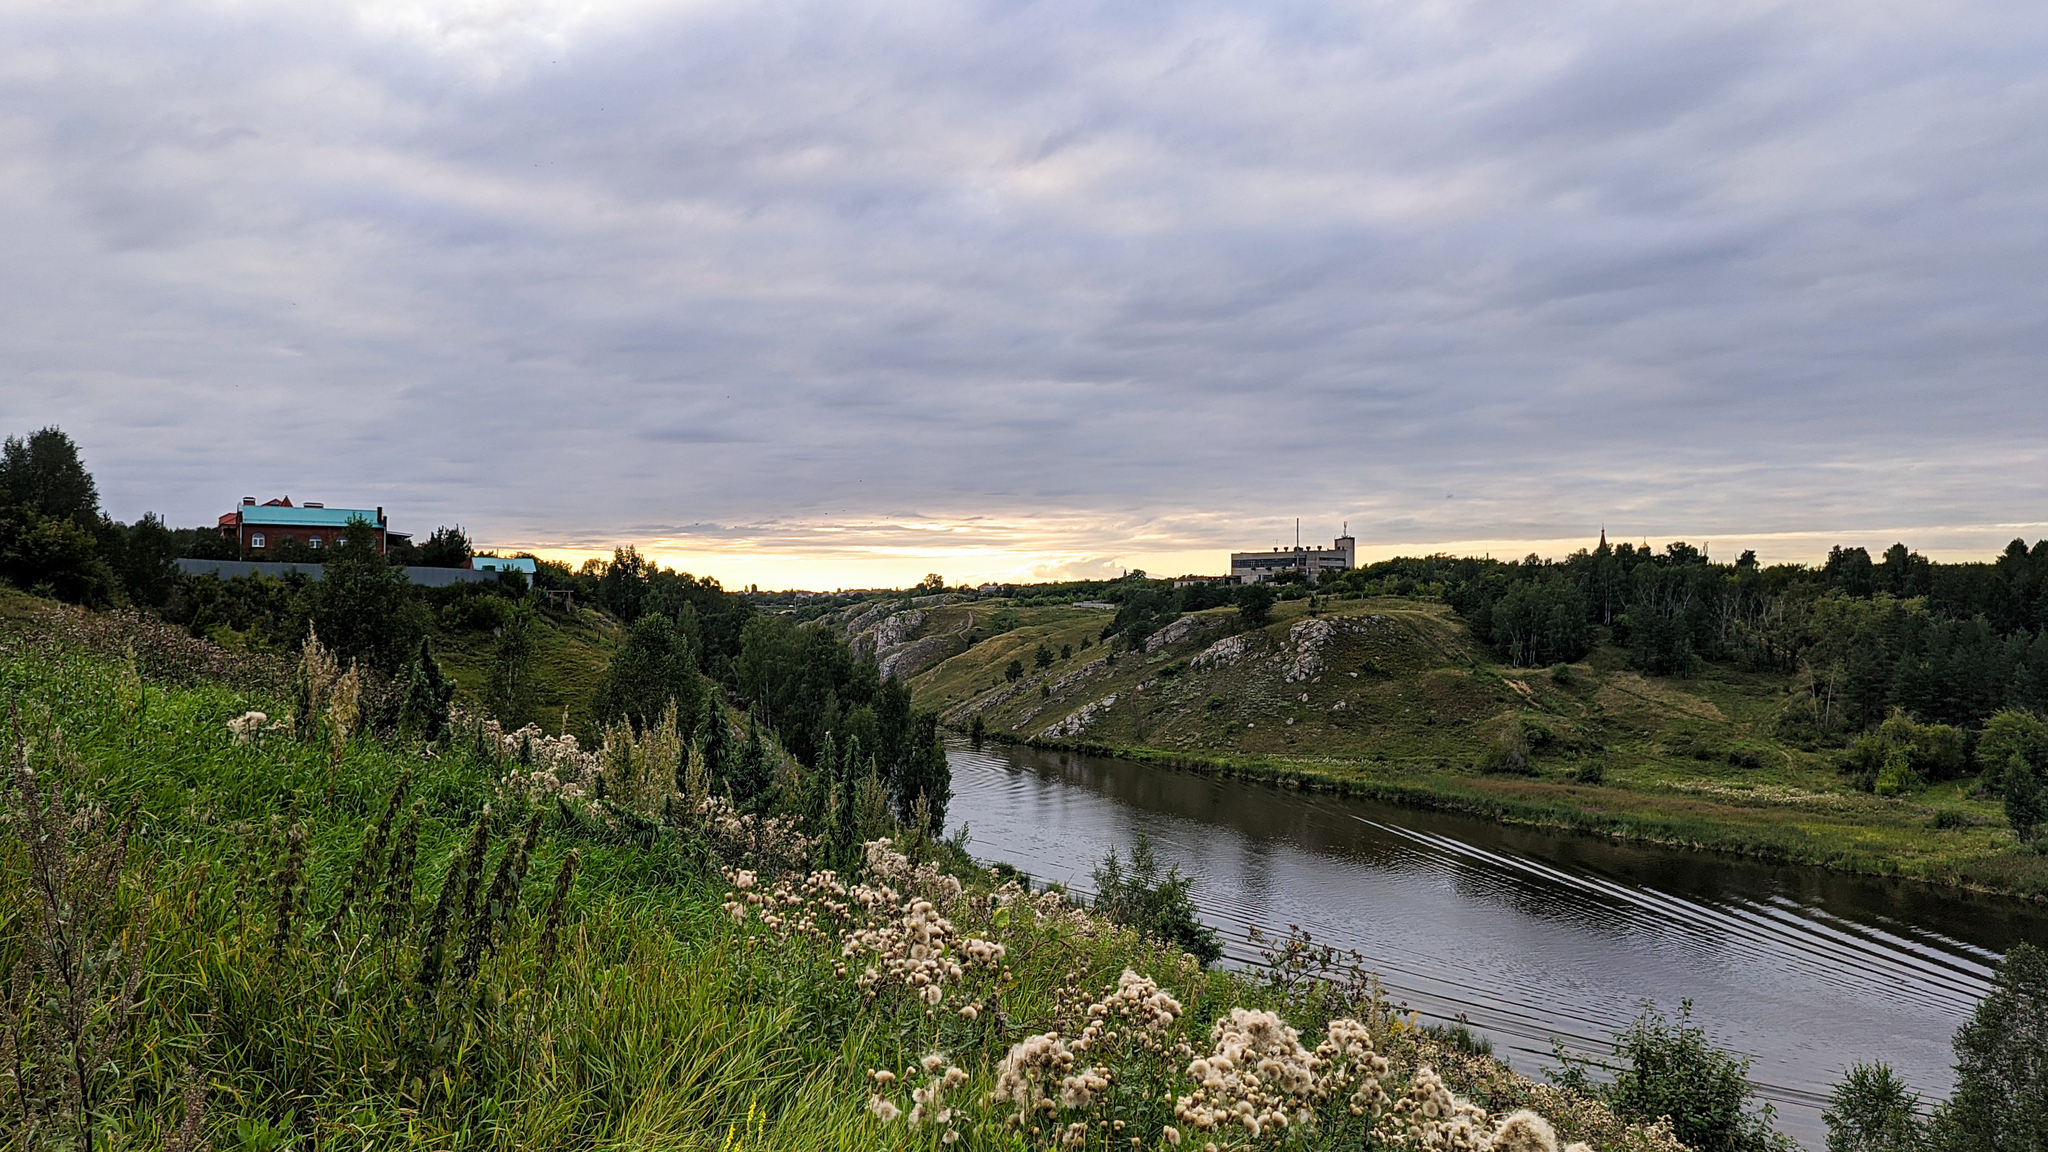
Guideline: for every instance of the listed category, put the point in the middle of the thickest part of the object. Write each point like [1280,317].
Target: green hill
[1390,697]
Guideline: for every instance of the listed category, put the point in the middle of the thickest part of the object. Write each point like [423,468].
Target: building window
[313,542]
[256,541]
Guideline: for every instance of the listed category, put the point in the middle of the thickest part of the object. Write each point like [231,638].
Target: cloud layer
[1054,284]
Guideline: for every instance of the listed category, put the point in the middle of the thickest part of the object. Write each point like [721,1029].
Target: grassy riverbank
[338,938]
[1388,698]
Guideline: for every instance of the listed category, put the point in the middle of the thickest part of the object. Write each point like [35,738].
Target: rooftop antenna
[1297,533]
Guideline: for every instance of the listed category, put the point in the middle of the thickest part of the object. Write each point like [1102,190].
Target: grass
[273,1012]
[571,653]
[1402,706]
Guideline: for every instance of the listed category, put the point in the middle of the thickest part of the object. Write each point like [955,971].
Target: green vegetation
[1668,1069]
[2001,1096]
[1158,904]
[1403,698]
[242,912]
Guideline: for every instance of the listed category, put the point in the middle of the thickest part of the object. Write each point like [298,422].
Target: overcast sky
[836,294]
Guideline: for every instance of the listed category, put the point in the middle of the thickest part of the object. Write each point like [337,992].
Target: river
[1529,934]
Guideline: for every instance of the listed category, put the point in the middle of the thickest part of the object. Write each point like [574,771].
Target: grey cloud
[1709,267]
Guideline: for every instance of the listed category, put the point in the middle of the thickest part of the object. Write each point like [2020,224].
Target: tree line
[689,642]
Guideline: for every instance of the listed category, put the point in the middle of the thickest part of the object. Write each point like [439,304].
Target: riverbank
[1848,832]
[1389,699]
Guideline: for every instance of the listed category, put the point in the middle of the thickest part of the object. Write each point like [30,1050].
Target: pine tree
[751,777]
[428,695]
[716,740]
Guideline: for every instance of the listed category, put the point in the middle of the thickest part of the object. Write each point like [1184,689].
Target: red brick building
[257,529]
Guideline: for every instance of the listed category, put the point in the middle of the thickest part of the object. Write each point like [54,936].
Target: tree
[448,547]
[751,776]
[933,582]
[1042,657]
[656,664]
[55,557]
[1872,1110]
[149,564]
[44,474]
[2001,1097]
[714,738]
[363,608]
[623,587]
[511,687]
[1255,605]
[1159,905]
[925,774]
[2026,805]
[428,694]
[1013,671]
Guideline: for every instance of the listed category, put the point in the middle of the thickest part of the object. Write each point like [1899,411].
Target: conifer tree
[716,741]
[428,695]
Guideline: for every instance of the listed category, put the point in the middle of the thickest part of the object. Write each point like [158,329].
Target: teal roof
[502,564]
[304,517]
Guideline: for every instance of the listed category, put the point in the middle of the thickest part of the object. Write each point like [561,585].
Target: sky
[836,295]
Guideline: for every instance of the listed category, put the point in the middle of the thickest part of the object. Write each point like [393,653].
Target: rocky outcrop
[1185,628]
[1077,722]
[1227,651]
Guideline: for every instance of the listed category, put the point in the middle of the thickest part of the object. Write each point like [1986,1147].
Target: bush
[1509,753]
[1671,1070]
[1254,605]
[1872,1110]
[1158,905]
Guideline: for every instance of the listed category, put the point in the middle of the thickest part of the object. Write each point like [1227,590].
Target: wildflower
[884,1109]
[1524,1131]
[1172,1135]
[969,1012]
[247,725]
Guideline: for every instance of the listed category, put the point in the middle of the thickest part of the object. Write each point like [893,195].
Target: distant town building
[258,529]
[1257,567]
[503,564]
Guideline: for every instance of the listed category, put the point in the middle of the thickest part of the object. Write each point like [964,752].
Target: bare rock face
[1227,651]
[1185,628]
[909,659]
[1306,641]
[1078,721]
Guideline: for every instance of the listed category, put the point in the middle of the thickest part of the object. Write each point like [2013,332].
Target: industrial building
[1255,567]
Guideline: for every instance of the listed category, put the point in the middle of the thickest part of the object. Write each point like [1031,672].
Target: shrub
[1508,753]
[1872,1110]
[1159,905]
[1669,1069]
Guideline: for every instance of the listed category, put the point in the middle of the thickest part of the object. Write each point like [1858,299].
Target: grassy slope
[570,656]
[1406,707]
[661,1025]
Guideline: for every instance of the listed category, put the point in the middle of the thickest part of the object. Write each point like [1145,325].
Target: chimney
[380,515]
[248,500]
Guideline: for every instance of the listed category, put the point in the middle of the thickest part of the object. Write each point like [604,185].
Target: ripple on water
[1531,935]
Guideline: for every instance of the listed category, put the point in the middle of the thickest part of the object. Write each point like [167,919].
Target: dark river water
[1532,935]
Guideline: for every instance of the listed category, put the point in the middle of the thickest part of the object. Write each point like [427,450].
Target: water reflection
[1532,935]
